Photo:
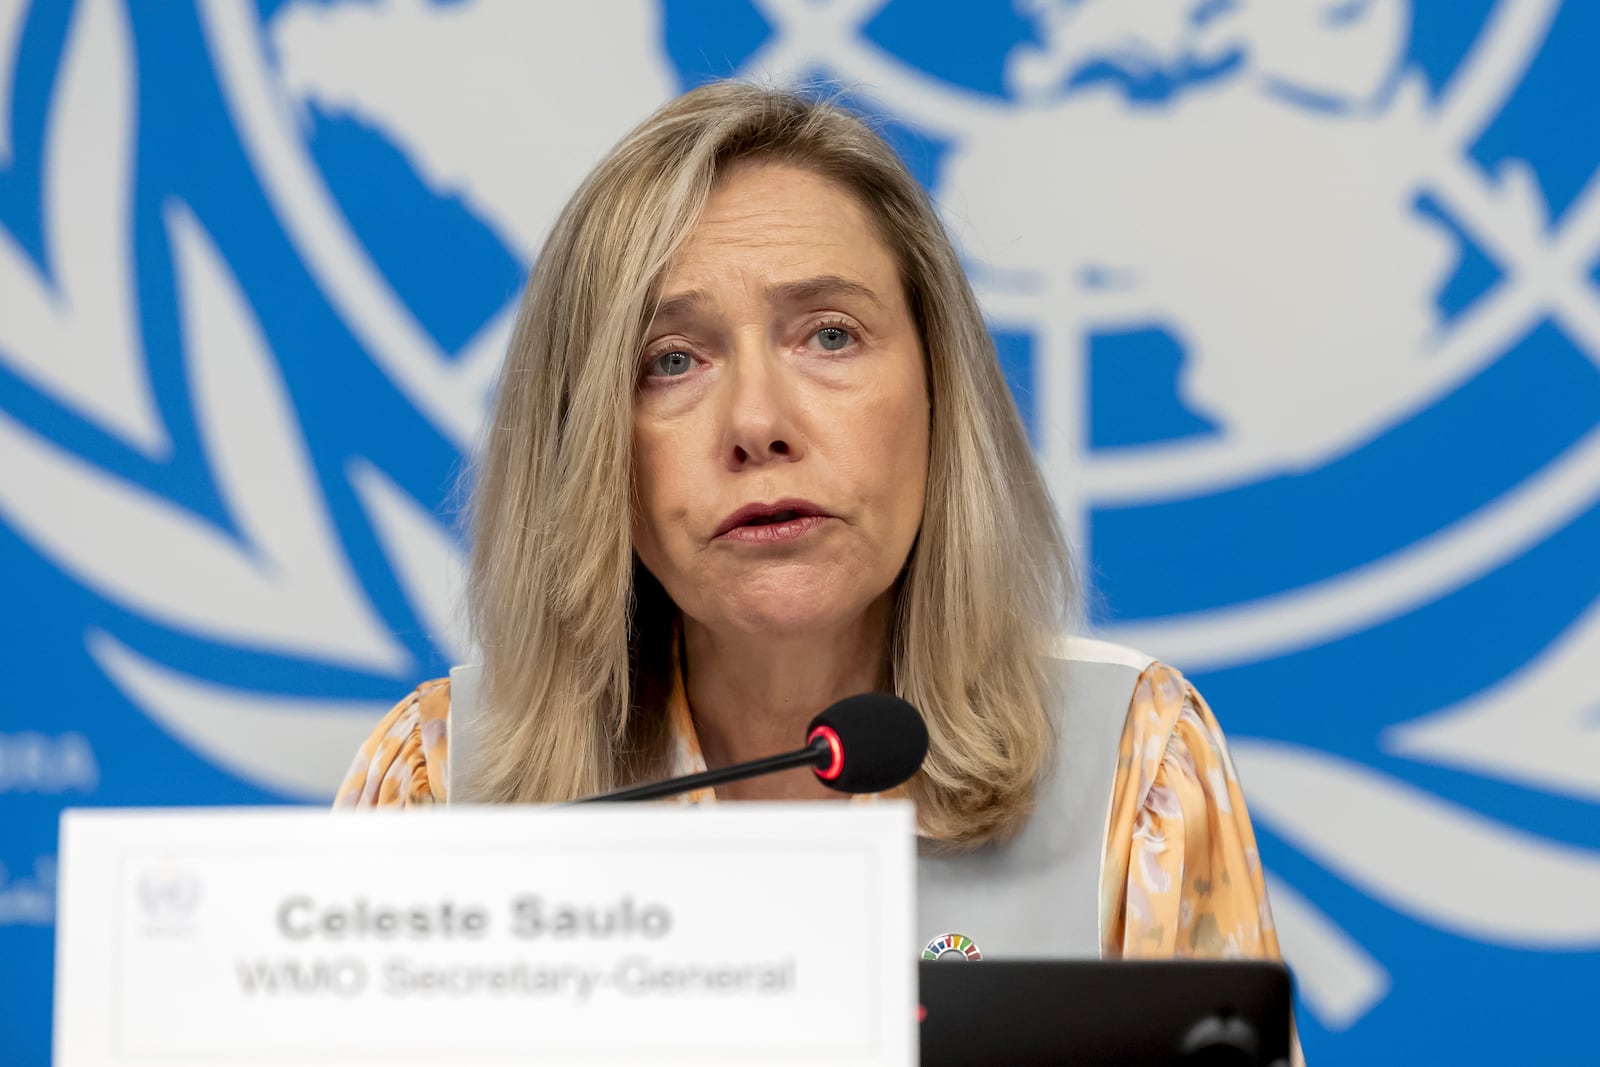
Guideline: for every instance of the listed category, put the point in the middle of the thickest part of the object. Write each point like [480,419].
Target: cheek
[894,446]
[910,427]
[911,469]
[663,490]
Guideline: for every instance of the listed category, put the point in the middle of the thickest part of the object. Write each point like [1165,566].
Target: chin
[781,610]
[788,625]
[779,600]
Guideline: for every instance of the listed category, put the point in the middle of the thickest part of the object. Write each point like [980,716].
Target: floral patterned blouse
[1181,875]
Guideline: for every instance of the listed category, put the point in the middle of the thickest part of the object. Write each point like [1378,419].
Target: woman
[749,334]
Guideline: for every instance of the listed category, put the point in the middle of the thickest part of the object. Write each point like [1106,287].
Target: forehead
[766,223]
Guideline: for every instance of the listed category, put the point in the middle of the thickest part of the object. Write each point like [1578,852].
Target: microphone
[862,744]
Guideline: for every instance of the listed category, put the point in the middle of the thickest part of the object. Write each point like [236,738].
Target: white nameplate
[742,934]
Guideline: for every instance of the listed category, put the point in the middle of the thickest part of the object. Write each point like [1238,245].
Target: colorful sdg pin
[952,947]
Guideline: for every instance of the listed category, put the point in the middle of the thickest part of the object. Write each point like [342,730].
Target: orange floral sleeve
[405,761]
[1182,876]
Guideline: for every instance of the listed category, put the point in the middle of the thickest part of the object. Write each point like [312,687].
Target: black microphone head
[876,741]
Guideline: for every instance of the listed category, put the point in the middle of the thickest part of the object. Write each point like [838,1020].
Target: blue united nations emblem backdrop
[1300,300]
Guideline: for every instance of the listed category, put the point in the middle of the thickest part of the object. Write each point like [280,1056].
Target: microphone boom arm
[817,754]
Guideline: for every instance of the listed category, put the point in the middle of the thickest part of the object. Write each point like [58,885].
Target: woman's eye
[833,338]
[670,364]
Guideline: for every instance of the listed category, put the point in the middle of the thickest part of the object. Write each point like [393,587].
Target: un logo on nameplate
[1298,300]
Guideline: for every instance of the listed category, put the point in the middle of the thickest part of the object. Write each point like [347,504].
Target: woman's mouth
[764,524]
[768,520]
[771,530]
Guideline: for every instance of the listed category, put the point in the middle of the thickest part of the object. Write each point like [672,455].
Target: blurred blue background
[1298,299]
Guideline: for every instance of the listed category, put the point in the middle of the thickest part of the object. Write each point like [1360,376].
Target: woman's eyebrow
[806,290]
[800,291]
[682,304]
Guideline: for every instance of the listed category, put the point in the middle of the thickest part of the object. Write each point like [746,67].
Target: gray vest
[1037,895]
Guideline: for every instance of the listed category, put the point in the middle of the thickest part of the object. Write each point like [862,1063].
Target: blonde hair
[576,634]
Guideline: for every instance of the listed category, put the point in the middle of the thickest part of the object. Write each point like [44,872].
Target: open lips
[781,511]
[768,520]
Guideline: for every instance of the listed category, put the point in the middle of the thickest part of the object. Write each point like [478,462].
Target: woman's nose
[759,411]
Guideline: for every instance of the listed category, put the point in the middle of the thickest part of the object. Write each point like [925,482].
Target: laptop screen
[1209,1012]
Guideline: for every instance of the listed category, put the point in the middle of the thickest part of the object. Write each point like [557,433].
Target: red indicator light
[835,766]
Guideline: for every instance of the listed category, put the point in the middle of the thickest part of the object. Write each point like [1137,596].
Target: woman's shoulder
[1147,705]
[1076,648]
[405,760]
[1093,685]
[1135,690]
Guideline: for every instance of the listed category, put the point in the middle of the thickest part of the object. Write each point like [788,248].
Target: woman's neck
[753,698]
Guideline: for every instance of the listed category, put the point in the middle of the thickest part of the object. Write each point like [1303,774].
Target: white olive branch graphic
[75,335]
[278,581]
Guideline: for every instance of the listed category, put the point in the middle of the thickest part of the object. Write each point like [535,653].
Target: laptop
[1027,1012]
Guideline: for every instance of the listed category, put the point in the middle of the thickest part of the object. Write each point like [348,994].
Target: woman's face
[780,422]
